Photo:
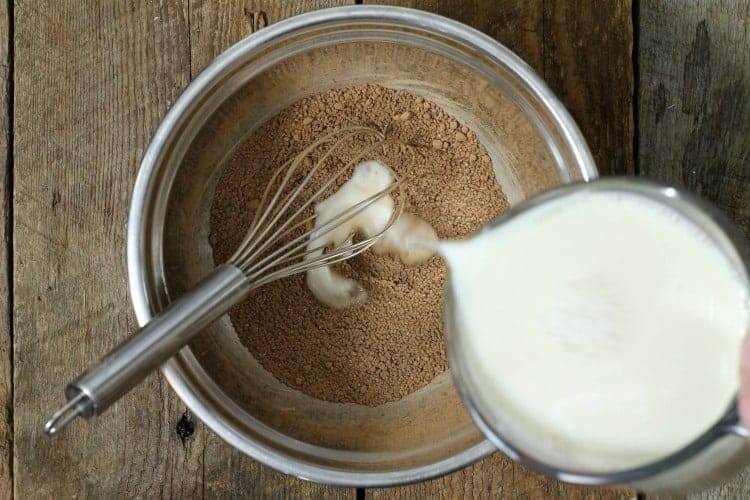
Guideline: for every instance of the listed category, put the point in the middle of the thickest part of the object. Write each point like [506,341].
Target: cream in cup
[601,328]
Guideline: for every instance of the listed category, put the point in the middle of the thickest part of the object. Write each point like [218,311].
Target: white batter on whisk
[368,178]
[604,329]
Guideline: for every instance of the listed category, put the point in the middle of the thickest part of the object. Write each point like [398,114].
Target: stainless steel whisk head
[275,246]
[260,256]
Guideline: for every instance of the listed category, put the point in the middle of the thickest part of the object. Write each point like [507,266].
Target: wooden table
[659,88]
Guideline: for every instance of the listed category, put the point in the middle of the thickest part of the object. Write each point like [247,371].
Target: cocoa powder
[391,345]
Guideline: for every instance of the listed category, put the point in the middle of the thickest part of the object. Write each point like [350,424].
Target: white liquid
[411,238]
[604,329]
[368,178]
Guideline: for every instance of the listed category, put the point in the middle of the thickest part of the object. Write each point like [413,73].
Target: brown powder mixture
[391,345]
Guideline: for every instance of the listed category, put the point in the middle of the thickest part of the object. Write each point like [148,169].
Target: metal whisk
[275,246]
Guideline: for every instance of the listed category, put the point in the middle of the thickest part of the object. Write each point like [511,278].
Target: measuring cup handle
[737,429]
[162,337]
[731,424]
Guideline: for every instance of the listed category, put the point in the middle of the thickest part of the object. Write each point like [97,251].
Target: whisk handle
[129,363]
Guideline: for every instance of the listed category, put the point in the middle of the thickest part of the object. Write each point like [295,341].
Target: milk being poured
[603,328]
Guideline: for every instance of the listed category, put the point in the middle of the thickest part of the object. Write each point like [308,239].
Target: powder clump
[392,344]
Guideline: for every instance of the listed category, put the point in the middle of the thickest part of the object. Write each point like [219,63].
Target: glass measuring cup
[718,452]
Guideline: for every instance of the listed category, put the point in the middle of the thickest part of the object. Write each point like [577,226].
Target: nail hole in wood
[185,427]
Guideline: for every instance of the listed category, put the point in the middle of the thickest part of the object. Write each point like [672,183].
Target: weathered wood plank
[217,24]
[694,112]
[694,105]
[497,477]
[517,24]
[588,63]
[92,81]
[214,26]
[553,37]
[6,377]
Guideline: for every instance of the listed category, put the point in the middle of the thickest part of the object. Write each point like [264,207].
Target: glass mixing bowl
[534,145]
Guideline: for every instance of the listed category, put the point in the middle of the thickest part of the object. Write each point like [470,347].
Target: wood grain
[694,113]
[214,26]
[6,378]
[694,99]
[497,477]
[517,24]
[92,81]
[588,63]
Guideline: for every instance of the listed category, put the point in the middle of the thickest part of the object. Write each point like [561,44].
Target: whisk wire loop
[254,247]
[291,250]
[250,240]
